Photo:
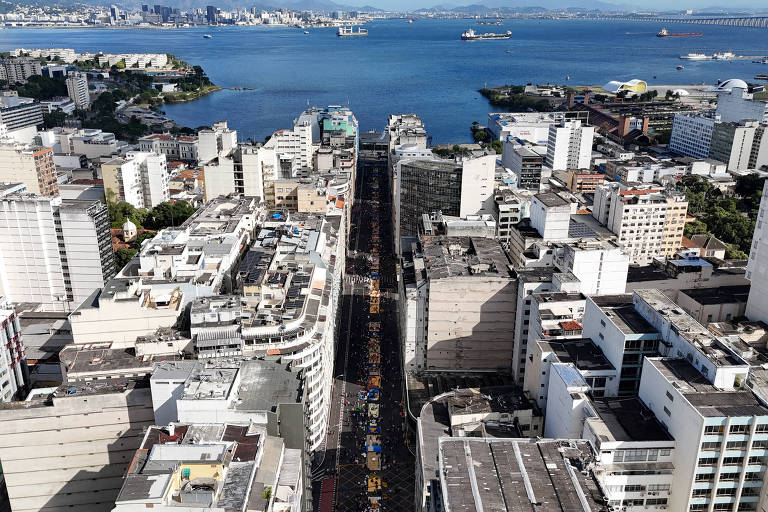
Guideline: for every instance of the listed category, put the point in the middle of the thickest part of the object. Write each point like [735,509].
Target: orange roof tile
[687,243]
[339,204]
[638,192]
[570,325]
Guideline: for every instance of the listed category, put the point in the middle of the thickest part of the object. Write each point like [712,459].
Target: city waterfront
[422,67]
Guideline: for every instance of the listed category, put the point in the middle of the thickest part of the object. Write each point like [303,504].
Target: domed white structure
[634,85]
[730,84]
[129,231]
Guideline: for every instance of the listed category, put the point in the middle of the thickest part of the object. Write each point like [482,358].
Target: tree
[54,119]
[123,255]
[480,136]
[168,214]
[498,146]
[695,228]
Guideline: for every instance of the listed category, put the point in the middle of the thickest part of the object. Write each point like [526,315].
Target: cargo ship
[665,33]
[349,32]
[470,35]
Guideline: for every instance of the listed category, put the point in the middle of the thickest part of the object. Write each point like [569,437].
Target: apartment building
[174,147]
[176,266]
[735,103]
[215,141]
[569,145]
[511,206]
[525,162]
[55,252]
[190,464]
[648,222]
[738,145]
[757,266]
[21,116]
[461,320]
[691,135]
[13,366]
[455,187]
[70,447]
[530,127]
[140,179]
[17,70]
[77,90]
[31,165]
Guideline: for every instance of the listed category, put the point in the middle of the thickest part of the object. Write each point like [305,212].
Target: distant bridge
[749,21]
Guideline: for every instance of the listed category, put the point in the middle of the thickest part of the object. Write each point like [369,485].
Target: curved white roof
[129,226]
[615,86]
[681,92]
[730,84]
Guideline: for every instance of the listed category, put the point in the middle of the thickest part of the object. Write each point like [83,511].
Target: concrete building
[529,127]
[174,147]
[70,446]
[214,142]
[176,266]
[492,413]
[213,466]
[719,432]
[692,135]
[535,471]
[445,333]
[757,267]
[14,375]
[17,70]
[455,187]
[732,143]
[140,179]
[569,145]
[54,252]
[31,165]
[64,104]
[511,206]
[21,116]
[580,182]
[77,90]
[648,222]
[526,163]
[721,304]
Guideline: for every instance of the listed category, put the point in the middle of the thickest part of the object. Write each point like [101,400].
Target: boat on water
[207,36]
[306,31]
[509,51]
[724,56]
[761,77]
[410,20]
[680,68]
[761,61]
[665,33]
[471,35]
[696,56]
[349,32]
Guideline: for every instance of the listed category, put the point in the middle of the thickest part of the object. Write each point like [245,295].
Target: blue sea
[422,67]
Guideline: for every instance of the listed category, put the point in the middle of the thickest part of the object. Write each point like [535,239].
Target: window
[670,397]
[735,445]
[634,488]
[658,487]
[714,429]
[701,493]
[656,501]
[710,446]
[739,429]
[667,411]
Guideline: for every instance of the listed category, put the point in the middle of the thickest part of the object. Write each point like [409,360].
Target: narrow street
[366,465]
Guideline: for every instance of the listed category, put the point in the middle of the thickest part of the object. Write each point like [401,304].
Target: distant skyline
[645,4]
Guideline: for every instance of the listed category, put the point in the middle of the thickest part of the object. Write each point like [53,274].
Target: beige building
[311,199]
[648,221]
[31,165]
[69,450]
[464,317]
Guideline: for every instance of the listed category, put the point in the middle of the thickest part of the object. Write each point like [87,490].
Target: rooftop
[583,353]
[517,475]
[719,295]
[551,199]
[627,419]
[621,311]
[446,256]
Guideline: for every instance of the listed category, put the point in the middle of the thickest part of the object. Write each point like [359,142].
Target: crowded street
[366,464]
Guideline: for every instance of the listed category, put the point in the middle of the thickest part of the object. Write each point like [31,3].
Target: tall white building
[215,141]
[691,135]
[569,145]
[77,90]
[757,266]
[140,179]
[13,368]
[52,251]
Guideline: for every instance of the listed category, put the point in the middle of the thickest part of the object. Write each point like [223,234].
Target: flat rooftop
[447,256]
[627,419]
[517,475]
[621,311]
[719,295]
[551,199]
[583,353]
